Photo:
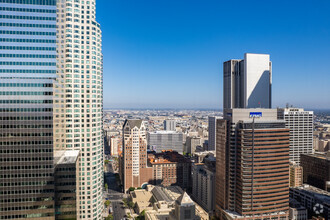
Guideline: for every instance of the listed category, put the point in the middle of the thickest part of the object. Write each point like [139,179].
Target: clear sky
[169,53]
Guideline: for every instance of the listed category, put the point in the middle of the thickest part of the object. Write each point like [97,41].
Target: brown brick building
[170,168]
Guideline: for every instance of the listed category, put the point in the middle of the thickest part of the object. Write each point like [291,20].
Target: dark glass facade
[28,68]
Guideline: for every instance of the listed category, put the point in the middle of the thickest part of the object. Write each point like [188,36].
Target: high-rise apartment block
[247,83]
[134,170]
[27,72]
[300,123]
[169,125]
[212,134]
[165,140]
[252,165]
[78,107]
[296,175]
[192,143]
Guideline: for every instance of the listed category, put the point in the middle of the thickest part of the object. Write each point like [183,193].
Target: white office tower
[212,132]
[169,125]
[78,115]
[300,123]
[247,83]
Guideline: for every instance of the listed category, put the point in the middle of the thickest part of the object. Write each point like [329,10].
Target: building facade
[135,172]
[170,168]
[300,123]
[296,175]
[169,125]
[27,73]
[251,145]
[192,143]
[66,169]
[247,83]
[203,184]
[79,98]
[165,140]
[316,170]
[212,134]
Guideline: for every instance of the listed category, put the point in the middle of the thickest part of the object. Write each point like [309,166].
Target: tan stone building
[296,175]
[135,172]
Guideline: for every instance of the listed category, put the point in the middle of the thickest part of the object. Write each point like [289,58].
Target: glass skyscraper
[27,73]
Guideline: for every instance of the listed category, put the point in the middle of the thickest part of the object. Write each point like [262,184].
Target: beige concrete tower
[78,103]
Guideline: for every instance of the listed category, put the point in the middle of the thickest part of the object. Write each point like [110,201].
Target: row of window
[25,151]
[28,17]
[27,9]
[28,56]
[27,25]
[31,2]
[27,40]
[27,48]
[26,144]
[28,33]
[26,109]
[40,134]
[26,101]
[29,118]
[26,126]
[29,63]
[26,85]
[27,71]
[24,93]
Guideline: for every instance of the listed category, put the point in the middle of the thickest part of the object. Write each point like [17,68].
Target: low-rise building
[167,203]
[317,201]
[297,211]
[170,168]
[316,169]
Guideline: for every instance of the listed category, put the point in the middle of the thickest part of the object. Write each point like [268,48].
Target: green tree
[110,217]
[131,189]
[107,203]
[106,186]
[131,204]
[106,161]
[139,188]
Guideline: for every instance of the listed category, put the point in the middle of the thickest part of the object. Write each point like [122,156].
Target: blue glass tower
[27,73]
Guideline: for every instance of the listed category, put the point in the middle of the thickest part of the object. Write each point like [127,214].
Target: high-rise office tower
[252,165]
[134,168]
[212,130]
[78,110]
[27,72]
[169,125]
[247,83]
[300,123]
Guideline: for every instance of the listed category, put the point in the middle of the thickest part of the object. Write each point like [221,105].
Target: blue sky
[169,53]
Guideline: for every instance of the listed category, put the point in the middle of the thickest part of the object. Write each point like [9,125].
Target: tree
[110,217]
[131,204]
[131,189]
[139,188]
[106,161]
[107,203]
[106,186]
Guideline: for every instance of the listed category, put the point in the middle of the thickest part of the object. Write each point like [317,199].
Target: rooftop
[165,132]
[167,156]
[65,156]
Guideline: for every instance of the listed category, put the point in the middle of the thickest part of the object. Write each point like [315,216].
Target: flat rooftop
[65,156]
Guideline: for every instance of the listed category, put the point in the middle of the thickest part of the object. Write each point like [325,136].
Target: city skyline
[170,54]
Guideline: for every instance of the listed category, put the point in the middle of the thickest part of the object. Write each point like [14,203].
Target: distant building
[212,134]
[169,125]
[184,208]
[170,168]
[316,169]
[165,140]
[115,146]
[66,169]
[300,123]
[296,175]
[133,166]
[203,183]
[251,145]
[316,201]
[247,83]
[192,143]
